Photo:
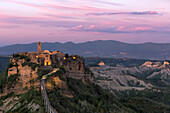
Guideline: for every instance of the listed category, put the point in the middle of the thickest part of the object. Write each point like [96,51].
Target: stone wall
[75,68]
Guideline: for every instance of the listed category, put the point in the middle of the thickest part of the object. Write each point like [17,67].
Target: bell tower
[39,46]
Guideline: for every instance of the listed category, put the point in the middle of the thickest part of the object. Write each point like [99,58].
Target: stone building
[74,64]
[101,63]
[44,58]
[39,47]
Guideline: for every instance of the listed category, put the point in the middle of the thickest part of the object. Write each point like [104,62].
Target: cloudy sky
[132,21]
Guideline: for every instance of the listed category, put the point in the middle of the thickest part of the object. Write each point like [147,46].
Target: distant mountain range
[109,48]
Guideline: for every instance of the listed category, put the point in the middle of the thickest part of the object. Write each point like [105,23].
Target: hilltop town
[26,69]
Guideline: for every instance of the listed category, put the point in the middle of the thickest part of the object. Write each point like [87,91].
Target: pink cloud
[121,28]
[92,27]
[141,28]
[79,27]
[111,29]
[106,23]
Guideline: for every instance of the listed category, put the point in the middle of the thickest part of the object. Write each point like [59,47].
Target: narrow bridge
[48,107]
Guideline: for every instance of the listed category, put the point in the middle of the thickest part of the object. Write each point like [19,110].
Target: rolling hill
[109,48]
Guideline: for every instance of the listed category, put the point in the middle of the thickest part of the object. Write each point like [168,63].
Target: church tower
[39,46]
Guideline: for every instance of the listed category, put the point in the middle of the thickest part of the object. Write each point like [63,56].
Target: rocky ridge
[137,77]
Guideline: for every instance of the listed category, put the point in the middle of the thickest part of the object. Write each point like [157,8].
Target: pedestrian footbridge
[48,107]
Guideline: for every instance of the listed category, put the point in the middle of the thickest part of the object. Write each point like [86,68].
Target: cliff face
[20,77]
[28,77]
[74,66]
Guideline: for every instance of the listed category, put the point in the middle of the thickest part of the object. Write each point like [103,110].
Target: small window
[79,67]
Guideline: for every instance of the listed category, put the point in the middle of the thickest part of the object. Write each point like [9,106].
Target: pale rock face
[163,74]
[152,64]
[26,78]
[9,103]
[114,78]
[32,106]
[13,103]
[166,63]
[148,63]
[156,64]
[12,71]
[20,61]
[12,60]
[26,75]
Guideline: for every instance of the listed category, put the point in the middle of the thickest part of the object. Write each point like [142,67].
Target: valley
[113,88]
